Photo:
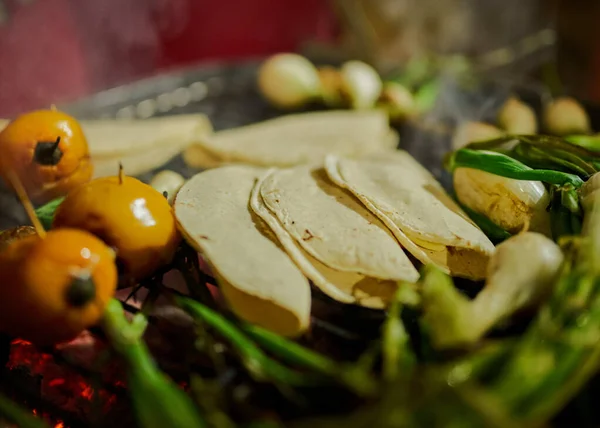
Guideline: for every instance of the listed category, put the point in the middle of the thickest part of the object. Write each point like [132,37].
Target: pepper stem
[81,291]
[48,153]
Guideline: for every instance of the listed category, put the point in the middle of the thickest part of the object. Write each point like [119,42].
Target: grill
[80,385]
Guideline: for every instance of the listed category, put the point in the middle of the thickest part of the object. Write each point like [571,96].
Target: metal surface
[225,92]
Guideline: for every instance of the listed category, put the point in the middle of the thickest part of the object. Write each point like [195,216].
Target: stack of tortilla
[351,225]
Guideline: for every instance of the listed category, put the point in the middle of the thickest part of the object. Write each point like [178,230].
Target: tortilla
[257,278]
[331,225]
[344,287]
[109,138]
[414,206]
[296,139]
[136,163]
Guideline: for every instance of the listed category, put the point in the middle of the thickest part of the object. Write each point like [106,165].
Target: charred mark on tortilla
[203,237]
[307,235]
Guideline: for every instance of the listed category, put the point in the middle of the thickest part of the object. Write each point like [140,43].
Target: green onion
[494,232]
[253,358]
[352,377]
[547,158]
[505,166]
[397,352]
[14,413]
[589,142]
[157,401]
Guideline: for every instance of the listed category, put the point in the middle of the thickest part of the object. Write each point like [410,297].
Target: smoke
[122,38]
[54,51]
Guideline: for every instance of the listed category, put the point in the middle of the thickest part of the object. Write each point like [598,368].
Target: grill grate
[227,94]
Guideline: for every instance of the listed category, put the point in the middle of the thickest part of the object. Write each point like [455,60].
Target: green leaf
[46,212]
[157,401]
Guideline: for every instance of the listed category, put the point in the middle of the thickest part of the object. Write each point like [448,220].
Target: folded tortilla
[344,287]
[296,139]
[408,199]
[257,278]
[331,225]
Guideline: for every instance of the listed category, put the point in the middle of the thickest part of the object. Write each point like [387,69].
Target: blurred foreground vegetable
[14,413]
[263,367]
[521,274]
[560,351]
[157,401]
[398,357]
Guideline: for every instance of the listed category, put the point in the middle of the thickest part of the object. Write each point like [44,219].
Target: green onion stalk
[14,413]
[545,152]
[158,402]
[259,364]
[398,356]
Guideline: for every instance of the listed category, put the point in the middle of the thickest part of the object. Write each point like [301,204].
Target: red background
[58,50]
